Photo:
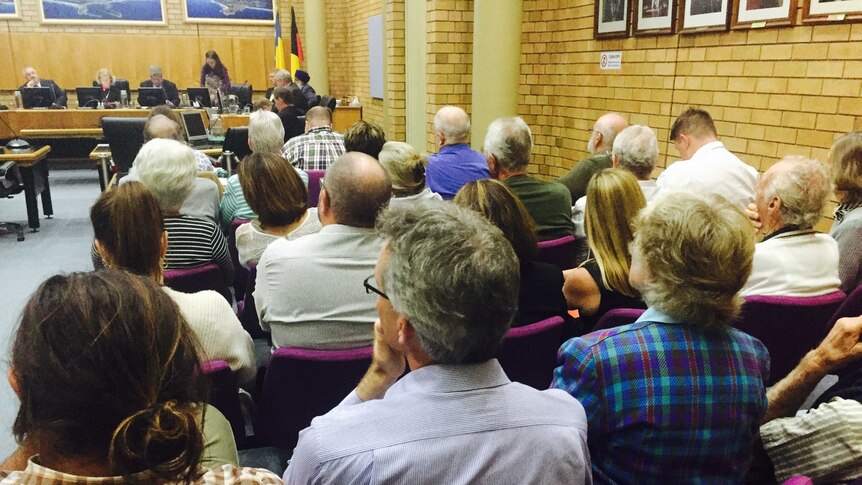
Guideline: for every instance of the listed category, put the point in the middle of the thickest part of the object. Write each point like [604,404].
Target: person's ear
[250,145]
[12,377]
[492,165]
[599,139]
[441,139]
[323,201]
[164,248]
[615,161]
[406,332]
[774,205]
[103,253]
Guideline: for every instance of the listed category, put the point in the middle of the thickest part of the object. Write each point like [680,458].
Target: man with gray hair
[508,145]
[309,290]
[455,417]
[793,259]
[599,146]
[32,80]
[157,80]
[456,163]
[279,78]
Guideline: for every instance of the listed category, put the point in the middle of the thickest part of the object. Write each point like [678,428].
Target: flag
[295,45]
[279,44]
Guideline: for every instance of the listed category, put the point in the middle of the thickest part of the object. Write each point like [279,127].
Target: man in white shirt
[309,290]
[705,165]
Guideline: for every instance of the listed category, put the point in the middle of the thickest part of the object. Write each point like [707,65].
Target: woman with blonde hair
[846,160]
[601,283]
[406,169]
[110,94]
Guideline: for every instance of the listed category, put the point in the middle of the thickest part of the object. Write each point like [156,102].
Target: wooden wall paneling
[9,77]
[247,54]
[224,47]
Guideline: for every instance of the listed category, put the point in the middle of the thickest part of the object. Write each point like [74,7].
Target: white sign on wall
[611,61]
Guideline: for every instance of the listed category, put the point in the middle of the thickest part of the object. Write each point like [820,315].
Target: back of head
[106,369]
[265,132]
[364,137]
[358,188]
[846,160]
[283,93]
[405,166]
[128,224]
[272,189]
[698,252]
[510,141]
[499,205]
[167,168]
[614,199]
[636,148]
[282,75]
[459,257]
[318,116]
[165,110]
[609,125]
[802,185]
[453,123]
[693,122]
[160,126]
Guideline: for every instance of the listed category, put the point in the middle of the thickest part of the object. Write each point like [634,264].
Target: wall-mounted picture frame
[611,19]
[755,14]
[9,9]
[249,12]
[704,16]
[653,17]
[818,11]
[100,12]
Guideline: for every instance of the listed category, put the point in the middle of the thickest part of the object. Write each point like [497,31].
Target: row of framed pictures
[146,12]
[613,18]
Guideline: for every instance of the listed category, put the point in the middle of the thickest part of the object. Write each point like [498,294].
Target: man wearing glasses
[446,286]
[599,146]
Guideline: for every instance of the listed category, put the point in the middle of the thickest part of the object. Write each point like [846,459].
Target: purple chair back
[301,384]
[851,307]
[314,177]
[617,317]
[247,310]
[199,278]
[528,354]
[240,274]
[559,252]
[224,395]
[788,326]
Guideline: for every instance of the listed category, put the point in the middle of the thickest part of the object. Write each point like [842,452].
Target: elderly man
[599,145]
[793,259]
[309,290]
[456,163]
[508,145]
[278,78]
[705,165]
[455,418]
[157,80]
[32,80]
[364,137]
[319,146]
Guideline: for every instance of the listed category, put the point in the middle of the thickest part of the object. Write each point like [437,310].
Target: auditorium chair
[301,384]
[617,317]
[8,172]
[851,307]
[198,278]
[314,177]
[528,354]
[240,273]
[243,94]
[126,137]
[224,395]
[329,101]
[559,252]
[236,141]
[788,326]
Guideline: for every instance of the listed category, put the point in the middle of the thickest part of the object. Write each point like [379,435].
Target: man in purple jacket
[456,163]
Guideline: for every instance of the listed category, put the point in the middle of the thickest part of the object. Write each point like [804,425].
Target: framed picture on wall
[653,17]
[146,12]
[704,15]
[611,18]
[9,9]
[763,13]
[832,10]
[261,12]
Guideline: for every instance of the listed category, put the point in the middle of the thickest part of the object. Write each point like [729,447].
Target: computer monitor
[151,96]
[199,97]
[88,97]
[193,122]
[41,97]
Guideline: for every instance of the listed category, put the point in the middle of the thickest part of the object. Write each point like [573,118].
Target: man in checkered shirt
[319,146]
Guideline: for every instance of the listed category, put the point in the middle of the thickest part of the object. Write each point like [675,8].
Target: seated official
[406,169]
[364,137]
[319,146]
[507,146]
[455,418]
[599,147]
[288,113]
[107,372]
[793,259]
[455,163]
[278,79]
[309,291]
[540,295]
[110,92]
[274,191]
[846,160]
[157,80]
[32,80]
[678,395]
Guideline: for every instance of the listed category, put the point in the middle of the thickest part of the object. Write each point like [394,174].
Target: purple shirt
[452,167]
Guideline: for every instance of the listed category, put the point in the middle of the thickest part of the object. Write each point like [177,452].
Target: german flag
[295,45]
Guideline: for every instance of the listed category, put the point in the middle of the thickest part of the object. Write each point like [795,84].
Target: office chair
[243,94]
[236,141]
[125,136]
[9,175]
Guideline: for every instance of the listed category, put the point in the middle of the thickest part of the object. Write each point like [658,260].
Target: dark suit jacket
[59,93]
[171,92]
[293,120]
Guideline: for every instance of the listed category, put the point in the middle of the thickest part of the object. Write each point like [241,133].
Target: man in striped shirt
[319,146]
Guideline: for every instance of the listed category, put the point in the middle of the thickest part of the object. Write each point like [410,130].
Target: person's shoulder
[234,475]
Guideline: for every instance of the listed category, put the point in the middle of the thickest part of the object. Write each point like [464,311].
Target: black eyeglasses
[369,288]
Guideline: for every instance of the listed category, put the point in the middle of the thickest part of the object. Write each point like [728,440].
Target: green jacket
[579,176]
[549,204]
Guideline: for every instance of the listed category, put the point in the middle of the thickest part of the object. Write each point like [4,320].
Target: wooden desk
[342,118]
[33,167]
[61,123]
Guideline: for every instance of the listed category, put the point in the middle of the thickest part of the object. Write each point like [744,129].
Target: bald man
[601,142]
[456,163]
[319,146]
[32,80]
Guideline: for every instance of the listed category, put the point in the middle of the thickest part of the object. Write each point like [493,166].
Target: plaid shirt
[667,402]
[36,474]
[314,150]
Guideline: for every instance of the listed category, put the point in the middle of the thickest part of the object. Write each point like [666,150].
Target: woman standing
[214,75]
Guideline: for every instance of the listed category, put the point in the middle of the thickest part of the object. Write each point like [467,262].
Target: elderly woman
[406,169]
[846,161]
[274,191]
[107,372]
[678,395]
[110,92]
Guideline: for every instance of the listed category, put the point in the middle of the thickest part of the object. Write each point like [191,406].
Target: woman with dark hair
[541,294]
[107,373]
[214,75]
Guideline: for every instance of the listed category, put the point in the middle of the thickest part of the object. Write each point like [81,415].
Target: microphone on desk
[16,145]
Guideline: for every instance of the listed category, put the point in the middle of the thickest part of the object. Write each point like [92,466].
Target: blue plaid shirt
[667,402]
